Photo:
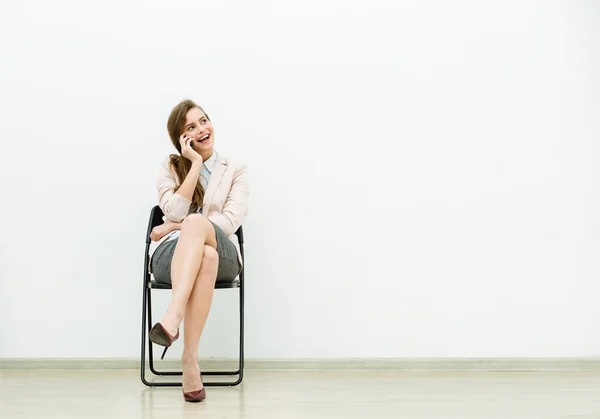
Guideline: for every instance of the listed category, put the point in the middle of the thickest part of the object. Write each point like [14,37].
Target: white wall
[425,176]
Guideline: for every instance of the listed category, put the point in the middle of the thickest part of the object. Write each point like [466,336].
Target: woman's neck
[207,155]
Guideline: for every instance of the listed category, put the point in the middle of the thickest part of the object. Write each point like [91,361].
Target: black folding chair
[156,216]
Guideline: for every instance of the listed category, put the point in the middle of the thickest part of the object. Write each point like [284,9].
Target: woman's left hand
[160,231]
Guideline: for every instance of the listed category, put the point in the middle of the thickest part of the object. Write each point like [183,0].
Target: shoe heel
[160,336]
[164,352]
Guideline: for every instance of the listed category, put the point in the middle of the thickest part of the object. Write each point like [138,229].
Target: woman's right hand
[187,151]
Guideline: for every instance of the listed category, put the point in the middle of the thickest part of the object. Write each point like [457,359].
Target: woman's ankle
[171,321]
[191,372]
[189,360]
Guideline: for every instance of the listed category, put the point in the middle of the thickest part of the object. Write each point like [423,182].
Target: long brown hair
[178,163]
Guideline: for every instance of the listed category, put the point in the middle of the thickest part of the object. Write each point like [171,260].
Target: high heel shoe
[160,336]
[194,396]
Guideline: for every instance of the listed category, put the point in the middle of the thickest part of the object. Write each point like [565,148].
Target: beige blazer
[225,200]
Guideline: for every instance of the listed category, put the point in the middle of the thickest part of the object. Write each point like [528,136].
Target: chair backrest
[156,218]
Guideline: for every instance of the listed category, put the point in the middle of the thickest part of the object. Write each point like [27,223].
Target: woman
[204,197]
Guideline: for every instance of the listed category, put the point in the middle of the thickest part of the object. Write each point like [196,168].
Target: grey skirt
[229,265]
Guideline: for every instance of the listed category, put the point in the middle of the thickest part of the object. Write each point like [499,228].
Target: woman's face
[200,130]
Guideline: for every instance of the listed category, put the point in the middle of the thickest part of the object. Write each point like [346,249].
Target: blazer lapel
[213,183]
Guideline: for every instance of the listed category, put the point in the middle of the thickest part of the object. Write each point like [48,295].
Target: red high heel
[194,396]
[160,336]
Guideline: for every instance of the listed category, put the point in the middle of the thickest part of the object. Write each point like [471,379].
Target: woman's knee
[210,264]
[195,222]
[210,256]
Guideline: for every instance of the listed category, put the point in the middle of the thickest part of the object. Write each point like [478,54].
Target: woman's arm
[186,189]
[162,230]
[176,205]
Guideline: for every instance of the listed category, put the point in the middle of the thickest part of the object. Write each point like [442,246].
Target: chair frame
[156,216]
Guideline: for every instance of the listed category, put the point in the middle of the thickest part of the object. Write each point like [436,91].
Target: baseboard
[401,364]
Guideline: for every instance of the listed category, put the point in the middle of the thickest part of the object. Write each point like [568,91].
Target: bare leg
[196,313]
[196,232]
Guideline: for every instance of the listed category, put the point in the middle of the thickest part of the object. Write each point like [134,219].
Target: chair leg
[147,308]
[147,316]
[143,345]
[240,371]
[150,347]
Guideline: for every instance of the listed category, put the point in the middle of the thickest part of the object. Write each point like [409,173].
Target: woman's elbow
[175,216]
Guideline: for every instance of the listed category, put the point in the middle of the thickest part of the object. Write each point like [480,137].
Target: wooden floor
[289,395]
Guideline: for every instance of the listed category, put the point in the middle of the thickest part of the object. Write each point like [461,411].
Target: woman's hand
[162,230]
[158,233]
[187,151]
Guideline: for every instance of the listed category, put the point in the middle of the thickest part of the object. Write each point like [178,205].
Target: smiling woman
[204,197]
[196,137]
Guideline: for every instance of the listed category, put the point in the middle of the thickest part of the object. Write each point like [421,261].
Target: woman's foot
[195,396]
[171,322]
[193,389]
[191,375]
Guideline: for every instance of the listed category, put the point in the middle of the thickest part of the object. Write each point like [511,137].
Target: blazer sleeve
[235,208]
[174,206]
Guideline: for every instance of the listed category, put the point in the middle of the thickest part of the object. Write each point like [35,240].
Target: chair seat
[219,285]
